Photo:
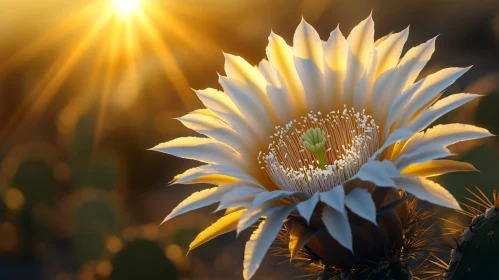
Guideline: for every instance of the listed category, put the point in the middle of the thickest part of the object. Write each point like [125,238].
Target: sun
[126,8]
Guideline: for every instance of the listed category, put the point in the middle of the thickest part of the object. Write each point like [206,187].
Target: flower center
[318,152]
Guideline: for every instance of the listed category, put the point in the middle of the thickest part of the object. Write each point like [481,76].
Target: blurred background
[86,87]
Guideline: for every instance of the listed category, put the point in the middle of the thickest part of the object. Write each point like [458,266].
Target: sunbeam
[105,42]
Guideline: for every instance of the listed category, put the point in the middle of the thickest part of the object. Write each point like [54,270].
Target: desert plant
[388,257]
[474,255]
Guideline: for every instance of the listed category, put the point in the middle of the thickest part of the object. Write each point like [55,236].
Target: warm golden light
[126,7]
[131,30]
[14,198]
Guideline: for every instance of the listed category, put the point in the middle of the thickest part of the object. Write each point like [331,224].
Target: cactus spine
[476,255]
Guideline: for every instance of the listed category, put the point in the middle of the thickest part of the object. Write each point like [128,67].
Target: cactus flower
[325,135]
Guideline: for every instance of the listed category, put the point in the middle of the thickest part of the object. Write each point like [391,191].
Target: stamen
[320,151]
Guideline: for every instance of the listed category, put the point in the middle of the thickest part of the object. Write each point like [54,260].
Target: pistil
[314,140]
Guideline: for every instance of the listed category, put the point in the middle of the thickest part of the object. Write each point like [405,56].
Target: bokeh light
[114,244]
[104,268]
[14,198]
[174,253]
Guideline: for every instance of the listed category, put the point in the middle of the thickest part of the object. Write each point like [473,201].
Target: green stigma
[314,140]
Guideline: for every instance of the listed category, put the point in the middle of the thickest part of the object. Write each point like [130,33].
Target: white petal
[221,104]
[282,102]
[361,41]
[335,60]
[360,202]
[445,135]
[217,129]
[382,39]
[396,136]
[338,227]
[362,94]
[361,45]
[223,225]
[270,73]
[239,196]
[335,198]
[266,196]
[309,62]
[387,88]
[195,201]
[421,156]
[383,87]
[389,51]
[239,69]
[249,105]
[306,208]
[392,82]
[417,57]
[381,173]
[433,85]
[281,98]
[307,44]
[280,56]
[441,108]
[195,173]
[425,189]
[398,105]
[437,167]
[261,239]
[201,149]
[206,112]
[253,214]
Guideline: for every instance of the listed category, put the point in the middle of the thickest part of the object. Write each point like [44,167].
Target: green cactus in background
[475,255]
[35,179]
[142,259]
[99,171]
[94,221]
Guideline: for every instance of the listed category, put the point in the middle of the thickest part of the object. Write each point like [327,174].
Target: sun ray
[40,96]
[132,51]
[50,38]
[112,77]
[168,62]
[201,45]
[82,102]
[108,79]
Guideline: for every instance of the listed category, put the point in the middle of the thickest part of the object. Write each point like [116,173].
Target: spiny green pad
[390,270]
[477,255]
[314,140]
